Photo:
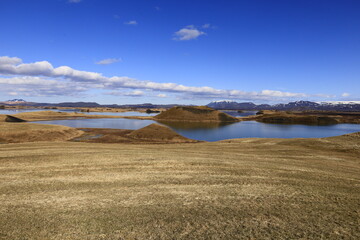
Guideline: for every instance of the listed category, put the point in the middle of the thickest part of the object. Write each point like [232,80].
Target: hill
[156,132]
[31,132]
[195,114]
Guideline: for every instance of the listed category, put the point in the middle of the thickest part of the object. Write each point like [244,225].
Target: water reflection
[252,129]
[115,123]
[193,125]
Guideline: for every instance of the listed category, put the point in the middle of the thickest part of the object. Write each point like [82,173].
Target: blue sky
[190,52]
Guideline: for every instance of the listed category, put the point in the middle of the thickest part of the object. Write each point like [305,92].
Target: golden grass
[234,189]
[31,132]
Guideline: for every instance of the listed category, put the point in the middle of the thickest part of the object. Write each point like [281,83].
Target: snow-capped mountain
[15,101]
[297,105]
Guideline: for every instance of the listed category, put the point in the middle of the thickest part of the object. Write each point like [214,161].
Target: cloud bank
[42,79]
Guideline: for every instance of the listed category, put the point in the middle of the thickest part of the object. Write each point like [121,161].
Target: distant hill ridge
[85,104]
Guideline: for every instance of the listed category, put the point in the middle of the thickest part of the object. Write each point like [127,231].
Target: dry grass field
[31,132]
[236,189]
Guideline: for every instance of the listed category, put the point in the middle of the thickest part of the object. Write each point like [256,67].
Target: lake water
[216,131]
[253,129]
[116,123]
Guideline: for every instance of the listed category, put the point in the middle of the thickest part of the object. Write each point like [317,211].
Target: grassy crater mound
[195,114]
[158,132]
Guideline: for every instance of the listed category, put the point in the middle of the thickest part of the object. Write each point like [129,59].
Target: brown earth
[194,114]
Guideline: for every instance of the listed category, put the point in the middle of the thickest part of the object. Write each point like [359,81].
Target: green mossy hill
[195,114]
[158,133]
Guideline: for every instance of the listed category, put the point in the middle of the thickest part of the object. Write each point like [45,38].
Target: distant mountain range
[298,105]
[84,104]
[220,105]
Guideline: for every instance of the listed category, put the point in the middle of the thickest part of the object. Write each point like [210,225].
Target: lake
[215,131]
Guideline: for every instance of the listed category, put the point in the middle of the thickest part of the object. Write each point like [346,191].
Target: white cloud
[74,1]
[133,22]
[345,94]
[108,61]
[5,60]
[37,68]
[273,93]
[136,93]
[40,86]
[187,33]
[42,78]
[161,95]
